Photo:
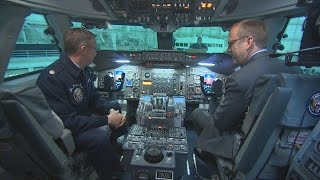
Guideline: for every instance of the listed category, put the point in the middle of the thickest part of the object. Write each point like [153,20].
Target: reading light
[206,64]
[122,61]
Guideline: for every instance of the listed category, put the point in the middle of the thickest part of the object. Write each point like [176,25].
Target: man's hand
[123,120]
[115,119]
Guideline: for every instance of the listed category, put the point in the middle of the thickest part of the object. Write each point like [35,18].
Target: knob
[169,154]
[153,154]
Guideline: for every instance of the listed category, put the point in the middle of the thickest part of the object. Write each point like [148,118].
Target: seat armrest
[66,141]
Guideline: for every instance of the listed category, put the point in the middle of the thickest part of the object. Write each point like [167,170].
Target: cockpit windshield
[139,38]
[124,37]
[213,39]
[36,48]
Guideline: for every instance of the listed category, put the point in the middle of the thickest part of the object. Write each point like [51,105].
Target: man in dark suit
[247,43]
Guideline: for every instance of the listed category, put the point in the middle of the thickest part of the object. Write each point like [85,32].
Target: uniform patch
[314,105]
[77,92]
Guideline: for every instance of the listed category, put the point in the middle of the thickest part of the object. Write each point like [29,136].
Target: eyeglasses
[232,42]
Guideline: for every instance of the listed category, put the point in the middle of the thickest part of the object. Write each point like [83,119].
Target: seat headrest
[305,87]
[32,98]
[6,131]
[264,86]
[298,109]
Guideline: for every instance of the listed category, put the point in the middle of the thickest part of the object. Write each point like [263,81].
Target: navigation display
[208,78]
[179,99]
[118,75]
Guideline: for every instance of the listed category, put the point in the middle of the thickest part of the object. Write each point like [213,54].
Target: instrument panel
[174,73]
[172,82]
[165,56]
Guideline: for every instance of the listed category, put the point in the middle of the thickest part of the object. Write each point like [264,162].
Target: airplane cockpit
[161,60]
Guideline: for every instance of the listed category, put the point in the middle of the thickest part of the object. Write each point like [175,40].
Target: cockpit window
[34,49]
[213,38]
[138,38]
[291,41]
[124,37]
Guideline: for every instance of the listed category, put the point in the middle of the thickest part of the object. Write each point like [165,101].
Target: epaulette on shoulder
[55,69]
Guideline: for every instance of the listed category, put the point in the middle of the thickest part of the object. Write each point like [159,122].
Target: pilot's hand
[123,120]
[115,119]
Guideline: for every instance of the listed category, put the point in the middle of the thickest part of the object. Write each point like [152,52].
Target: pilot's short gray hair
[76,37]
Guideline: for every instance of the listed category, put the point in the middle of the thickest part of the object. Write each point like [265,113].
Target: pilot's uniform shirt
[70,93]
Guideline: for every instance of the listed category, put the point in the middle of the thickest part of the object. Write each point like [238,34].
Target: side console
[306,163]
[150,151]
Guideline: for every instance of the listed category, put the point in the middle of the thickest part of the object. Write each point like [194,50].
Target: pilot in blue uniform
[94,122]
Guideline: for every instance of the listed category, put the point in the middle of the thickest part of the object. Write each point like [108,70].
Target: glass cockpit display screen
[208,78]
[129,83]
[146,98]
[118,75]
[179,99]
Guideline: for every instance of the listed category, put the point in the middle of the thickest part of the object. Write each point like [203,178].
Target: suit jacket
[237,97]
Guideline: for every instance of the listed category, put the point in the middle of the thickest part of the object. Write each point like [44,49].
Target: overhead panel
[164,15]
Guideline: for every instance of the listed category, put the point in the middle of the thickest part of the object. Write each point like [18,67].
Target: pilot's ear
[250,41]
[83,49]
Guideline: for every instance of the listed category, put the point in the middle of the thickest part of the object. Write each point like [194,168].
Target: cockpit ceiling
[72,8]
[165,15]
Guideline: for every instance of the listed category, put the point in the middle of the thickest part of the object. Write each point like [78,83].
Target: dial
[147,75]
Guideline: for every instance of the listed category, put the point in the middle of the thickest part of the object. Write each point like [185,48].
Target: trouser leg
[100,151]
[201,119]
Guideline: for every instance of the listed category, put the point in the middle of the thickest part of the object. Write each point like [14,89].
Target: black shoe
[118,173]
[204,155]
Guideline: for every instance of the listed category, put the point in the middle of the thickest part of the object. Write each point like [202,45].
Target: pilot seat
[33,141]
[278,122]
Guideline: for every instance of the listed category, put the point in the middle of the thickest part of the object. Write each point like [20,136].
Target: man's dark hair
[254,28]
[76,37]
